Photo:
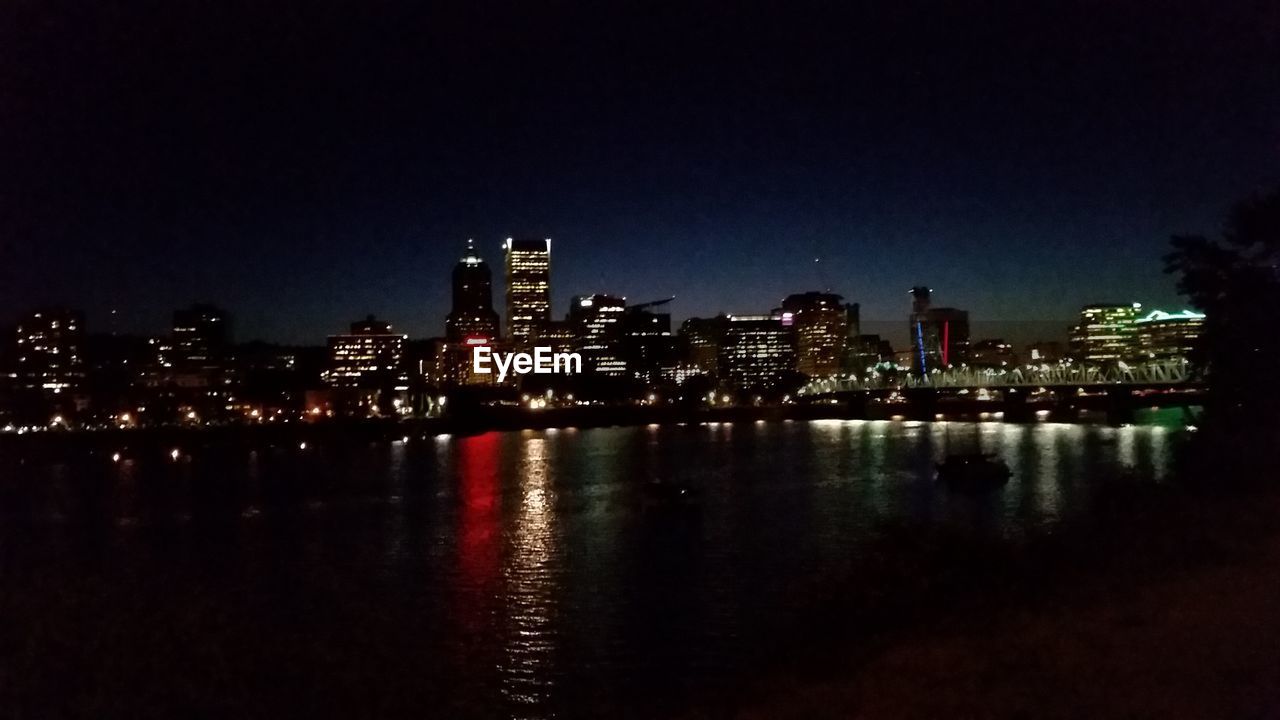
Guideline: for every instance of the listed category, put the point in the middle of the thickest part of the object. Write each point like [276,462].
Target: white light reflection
[531,580]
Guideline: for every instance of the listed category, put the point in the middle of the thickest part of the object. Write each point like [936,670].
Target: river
[517,574]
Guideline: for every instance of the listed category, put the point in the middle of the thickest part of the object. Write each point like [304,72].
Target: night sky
[305,167]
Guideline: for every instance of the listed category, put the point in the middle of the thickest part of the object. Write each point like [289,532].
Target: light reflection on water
[531,574]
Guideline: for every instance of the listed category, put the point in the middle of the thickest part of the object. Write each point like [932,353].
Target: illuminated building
[1168,336]
[201,336]
[939,336]
[993,353]
[703,338]
[820,322]
[597,323]
[472,313]
[865,352]
[648,347]
[370,356]
[471,322]
[528,268]
[559,335]
[49,351]
[758,351]
[1106,333]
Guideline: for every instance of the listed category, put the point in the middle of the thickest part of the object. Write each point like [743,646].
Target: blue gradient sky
[305,166]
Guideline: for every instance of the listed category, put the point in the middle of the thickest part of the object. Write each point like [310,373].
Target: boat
[974,472]
[658,493]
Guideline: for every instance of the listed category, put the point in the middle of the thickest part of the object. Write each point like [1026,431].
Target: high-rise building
[703,338]
[1106,333]
[471,322]
[528,268]
[49,351]
[472,313]
[370,356]
[758,352]
[559,335]
[201,337]
[939,335]
[648,347]
[820,322]
[1168,336]
[597,323]
[864,352]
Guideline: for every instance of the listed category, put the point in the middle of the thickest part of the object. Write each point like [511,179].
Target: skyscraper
[939,336]
[528,268]
[597,324]
[648,347]
[201,335]
[472,313]
[821,325]
[471,322]
[371,356]
[49,351]
[703,338]
[758,352]
[1169,336]
[1106,333]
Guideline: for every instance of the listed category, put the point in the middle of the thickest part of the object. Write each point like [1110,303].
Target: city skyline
[1024,331]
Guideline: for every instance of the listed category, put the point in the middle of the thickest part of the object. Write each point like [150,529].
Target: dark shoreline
[486,420]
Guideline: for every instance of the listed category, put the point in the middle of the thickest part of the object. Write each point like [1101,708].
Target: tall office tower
[939,336]
[597,325]
[201,337]
[1106,333]
[472,313]
[49,351]
[370,356]
[703,338]
[757,352]
[528,266]
[471,322]
[1169,336]
[820,322]
[648,347]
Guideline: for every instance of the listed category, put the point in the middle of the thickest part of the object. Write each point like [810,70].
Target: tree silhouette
[1235,282]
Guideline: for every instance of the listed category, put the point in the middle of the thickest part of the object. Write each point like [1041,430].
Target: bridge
[1063,391]
[1165,373]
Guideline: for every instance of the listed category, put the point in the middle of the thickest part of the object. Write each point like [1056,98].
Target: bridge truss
[1168,372]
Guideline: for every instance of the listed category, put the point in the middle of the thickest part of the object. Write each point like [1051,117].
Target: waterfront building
[597,324]
[49,351]
[702,338]
[864,352]
[559,335]
[471,322]
[528,275]
[939,335]
[650,351]
[757,351]
[471,313]
[1106,333]
[370,356]
[200,337]
[1168,336]
[820,323]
